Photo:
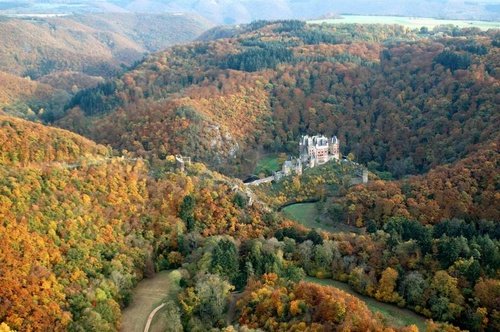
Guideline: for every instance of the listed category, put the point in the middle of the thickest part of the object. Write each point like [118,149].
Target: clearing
[268,164]
[307,214]
[148,294]
[410,22]
[393,314]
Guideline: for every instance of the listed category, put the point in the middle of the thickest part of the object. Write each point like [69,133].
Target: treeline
[440,271]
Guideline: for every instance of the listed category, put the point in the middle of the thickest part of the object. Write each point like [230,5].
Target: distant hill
[241,11]
[25,98]
[61,55]
[97,44]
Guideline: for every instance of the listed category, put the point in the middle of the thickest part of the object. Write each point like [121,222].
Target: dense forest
[83,223]
[80,228]
[402,100]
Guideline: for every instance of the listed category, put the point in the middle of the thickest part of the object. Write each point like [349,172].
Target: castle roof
[318,140]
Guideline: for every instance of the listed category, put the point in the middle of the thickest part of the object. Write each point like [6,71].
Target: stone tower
[365,175]
[334,147]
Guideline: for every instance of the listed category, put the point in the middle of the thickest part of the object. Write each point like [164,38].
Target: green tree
[412,288]
[225,259]
[446,301]
[186,212]
[213,293]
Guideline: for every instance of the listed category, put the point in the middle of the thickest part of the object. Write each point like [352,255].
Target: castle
[318,150]
[313,151]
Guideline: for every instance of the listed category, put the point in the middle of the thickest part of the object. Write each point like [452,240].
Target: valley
[125,140]
[61,55]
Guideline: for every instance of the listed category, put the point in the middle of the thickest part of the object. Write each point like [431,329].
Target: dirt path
[151,316]
[147,296]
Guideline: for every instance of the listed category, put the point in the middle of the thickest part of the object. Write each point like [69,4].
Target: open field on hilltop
[394,315]
[410,22]
[307,215]
[148,294]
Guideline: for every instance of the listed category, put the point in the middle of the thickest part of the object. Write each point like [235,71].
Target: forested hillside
[80,228]
[94,44]
[467,189]
[81,223]
[75,52]
[29,99]
[401,100]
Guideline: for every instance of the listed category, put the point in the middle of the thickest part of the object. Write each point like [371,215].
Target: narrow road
[151,315]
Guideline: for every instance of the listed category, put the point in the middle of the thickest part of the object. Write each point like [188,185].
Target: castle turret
[365,175]
[334,148]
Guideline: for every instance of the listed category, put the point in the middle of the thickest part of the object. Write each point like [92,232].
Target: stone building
[292,166]
[318,150]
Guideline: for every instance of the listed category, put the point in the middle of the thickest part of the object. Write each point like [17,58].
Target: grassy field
[268,164]
[410,22]
[148,294]
[307,215]
[392,313]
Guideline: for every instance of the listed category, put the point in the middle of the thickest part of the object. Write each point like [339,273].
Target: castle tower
[298,167]
[179,163]
[334,148]
[365,175]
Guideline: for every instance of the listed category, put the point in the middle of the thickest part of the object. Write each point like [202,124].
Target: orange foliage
[278,306]
[466,188]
